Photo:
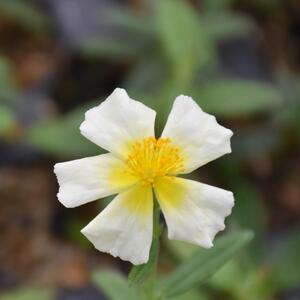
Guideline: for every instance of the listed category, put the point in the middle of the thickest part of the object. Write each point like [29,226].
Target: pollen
[151,158]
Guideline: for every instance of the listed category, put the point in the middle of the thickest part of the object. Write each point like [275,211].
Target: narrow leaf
[203,264]
[115,286]
[29,293]
[236,97]
[7,120]
[61,136]
[183,41]
[224,25]
[8,89]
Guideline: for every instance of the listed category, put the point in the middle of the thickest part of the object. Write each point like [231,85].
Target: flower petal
[117,121]
[194,212]
[124,227]
[87,179]
[198,135]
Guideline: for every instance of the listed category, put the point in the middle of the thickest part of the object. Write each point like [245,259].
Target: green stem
[149,285]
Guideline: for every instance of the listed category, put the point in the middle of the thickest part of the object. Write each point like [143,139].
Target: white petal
[87,179]
[194,212]
[118,121]
[124,227]
[198,135]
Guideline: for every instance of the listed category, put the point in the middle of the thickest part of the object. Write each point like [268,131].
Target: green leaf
[227,277]
[203,264]
[192,295]
[249,212]
[180,250]
[217,4]
[8,90]
[7,120]
[115,286]
[130,36]
[24,13]
[127,19]
[61,136]
[284,262]
[225,25]
[182,39]
[28,294]
[236,97]
[111,48]
[146,76]
[242,282]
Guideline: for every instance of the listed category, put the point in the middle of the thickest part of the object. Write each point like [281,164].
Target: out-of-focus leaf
[146,76]
[130,36]
[249,212]
[112,48]
[192,295]
[181,250]
[241,283]
[226,25]
[8,91]
[28,294]
[284,261]
[184,42]
[289,115]
[203,264]
[7,120]
[115,286]
[236,98]
[61,136]
[217,4]
[228,276]
[127,19]
[23,13]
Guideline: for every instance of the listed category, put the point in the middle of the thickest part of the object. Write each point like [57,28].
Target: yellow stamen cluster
[152,158]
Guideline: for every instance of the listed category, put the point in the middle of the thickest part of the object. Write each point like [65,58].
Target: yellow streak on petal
[170,192]
[139,200]
[119,176]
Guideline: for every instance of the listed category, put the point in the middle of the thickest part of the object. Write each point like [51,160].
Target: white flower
[137,164]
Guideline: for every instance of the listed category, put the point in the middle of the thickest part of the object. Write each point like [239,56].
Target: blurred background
[239,59]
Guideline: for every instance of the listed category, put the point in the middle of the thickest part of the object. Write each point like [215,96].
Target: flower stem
[148,287]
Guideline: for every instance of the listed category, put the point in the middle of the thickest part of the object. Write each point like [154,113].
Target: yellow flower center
[152,158]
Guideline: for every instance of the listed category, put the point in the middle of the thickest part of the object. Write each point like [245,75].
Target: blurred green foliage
[25,14]
[194,270]
[61,137]
[284,262]
[8,89]
[33,293]
[203,264]
[115,286]
[7,120]
[8,96]
[172,49]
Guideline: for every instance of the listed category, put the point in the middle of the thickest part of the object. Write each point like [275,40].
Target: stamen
[152,158]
